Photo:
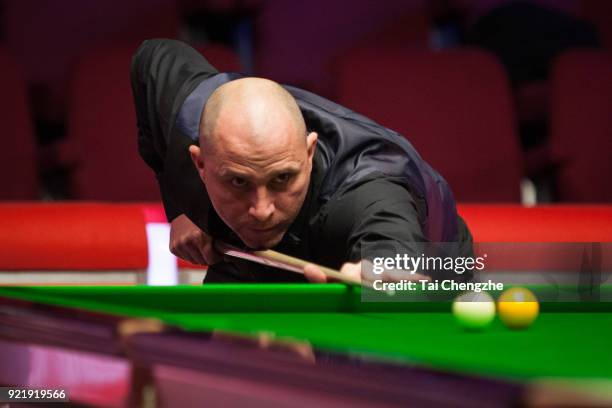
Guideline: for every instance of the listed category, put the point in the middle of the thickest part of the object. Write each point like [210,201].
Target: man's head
[255,158]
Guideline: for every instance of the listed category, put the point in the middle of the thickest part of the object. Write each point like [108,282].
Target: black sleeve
[383,218]
[375,212]
[163,74]
[238,270]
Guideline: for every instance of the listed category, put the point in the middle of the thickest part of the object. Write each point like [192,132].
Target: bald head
[257,107]
[254,159]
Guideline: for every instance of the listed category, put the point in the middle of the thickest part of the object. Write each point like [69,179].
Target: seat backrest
[47,39]
[102,125]
[600,14]
[18,170]
[453,106]
[581,125]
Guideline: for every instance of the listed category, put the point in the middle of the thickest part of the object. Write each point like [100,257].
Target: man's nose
[262,204]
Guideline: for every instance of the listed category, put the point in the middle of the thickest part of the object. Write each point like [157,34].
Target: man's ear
[311,144]
[196,158]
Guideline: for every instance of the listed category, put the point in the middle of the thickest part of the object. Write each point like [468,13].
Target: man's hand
[315,275]
[190,243]
[354,270]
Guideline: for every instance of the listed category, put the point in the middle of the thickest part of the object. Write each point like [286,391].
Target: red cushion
[72,237]
[509,223]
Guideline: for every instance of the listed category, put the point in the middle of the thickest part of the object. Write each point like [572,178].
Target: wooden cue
[282,261]
[331,273]
[300,263]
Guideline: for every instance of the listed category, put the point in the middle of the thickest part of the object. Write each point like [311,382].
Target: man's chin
[262,242]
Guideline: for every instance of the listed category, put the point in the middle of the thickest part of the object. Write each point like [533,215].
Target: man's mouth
[266,229]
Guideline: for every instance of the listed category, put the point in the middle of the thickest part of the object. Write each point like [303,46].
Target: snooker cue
[282,261]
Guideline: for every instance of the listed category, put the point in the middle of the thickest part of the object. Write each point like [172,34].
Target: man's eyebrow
[289,168]
[224,171]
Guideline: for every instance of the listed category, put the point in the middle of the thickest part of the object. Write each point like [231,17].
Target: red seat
[48,38]
[600,14]
[18,173]
[102,126]
[454,107]
[581,125]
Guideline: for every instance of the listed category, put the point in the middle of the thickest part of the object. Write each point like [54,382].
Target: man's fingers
[190,243]
[314,274]
[210,254]
[189,250]
[195,255]
[196,249]
[200,258]
[352,270]
[183,255]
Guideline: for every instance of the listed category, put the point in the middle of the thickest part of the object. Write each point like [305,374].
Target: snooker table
[303,345]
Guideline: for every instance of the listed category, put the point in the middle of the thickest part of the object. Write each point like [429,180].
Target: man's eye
[282,178]
[238,182]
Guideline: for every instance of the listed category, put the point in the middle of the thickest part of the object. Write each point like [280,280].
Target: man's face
[257,186]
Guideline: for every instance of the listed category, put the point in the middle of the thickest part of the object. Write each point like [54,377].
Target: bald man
[263,166]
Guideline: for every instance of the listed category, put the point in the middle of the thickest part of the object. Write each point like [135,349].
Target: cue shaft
[300,263]
[282,261]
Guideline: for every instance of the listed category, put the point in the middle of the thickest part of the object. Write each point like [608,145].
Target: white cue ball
[474,310]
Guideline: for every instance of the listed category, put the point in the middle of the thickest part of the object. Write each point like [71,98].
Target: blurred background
[511,101]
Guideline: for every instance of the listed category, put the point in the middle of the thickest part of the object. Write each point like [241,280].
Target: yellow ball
[518,308]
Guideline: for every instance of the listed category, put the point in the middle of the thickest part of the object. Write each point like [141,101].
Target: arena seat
[600,14]
[291,48]
[102,126]
[581,126]
[48,39]
[18,166]
[453,106]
